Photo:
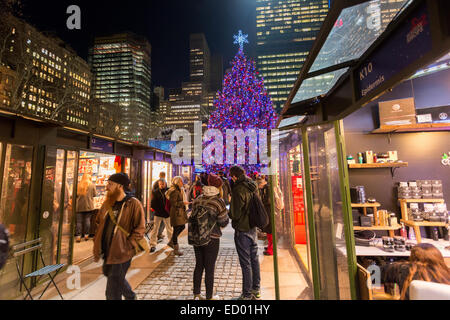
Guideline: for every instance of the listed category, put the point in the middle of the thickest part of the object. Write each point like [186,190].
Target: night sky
[166,24]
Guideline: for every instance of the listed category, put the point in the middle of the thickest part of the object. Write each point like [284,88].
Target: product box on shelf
[397,112]
[423,183]
[436,183]
[435,114]
[437,189]
[438,195]
[393,155]
[427,193]
[368,156]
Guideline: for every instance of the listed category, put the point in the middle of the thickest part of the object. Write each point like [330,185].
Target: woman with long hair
[178,215]
[426,263]
[85,206]
[206,255]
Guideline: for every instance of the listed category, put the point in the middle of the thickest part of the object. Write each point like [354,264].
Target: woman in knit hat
[206,255]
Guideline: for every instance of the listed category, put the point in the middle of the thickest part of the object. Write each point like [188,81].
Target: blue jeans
[247,250]
[116,285]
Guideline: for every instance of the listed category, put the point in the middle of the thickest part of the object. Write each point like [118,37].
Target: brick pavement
[173,278]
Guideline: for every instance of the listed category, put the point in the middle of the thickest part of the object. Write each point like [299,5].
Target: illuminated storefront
[314,150]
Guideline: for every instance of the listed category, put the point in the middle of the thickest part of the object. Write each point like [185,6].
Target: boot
[177,250]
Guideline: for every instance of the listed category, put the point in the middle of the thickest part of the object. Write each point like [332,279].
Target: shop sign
[101,145]
[409,43]
[446,159]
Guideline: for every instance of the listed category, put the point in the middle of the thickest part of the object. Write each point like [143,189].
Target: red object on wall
[299,210]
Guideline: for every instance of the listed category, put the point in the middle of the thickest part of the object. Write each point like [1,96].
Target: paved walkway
[173,278]
[163,276]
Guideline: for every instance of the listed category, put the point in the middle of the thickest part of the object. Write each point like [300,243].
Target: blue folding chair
[21,249]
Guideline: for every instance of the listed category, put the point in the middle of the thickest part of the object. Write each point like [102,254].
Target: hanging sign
[101,145]
[410,42]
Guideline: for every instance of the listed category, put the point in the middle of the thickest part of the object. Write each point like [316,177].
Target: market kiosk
[353,70]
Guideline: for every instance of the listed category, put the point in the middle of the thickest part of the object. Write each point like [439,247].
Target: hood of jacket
[247,183]
[210,191]
[171,189]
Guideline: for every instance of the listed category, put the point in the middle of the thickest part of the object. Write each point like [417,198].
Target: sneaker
[199,297]
[216,297]
[152,249]
[78,239]
[242,297]
[86,237]
[256,294]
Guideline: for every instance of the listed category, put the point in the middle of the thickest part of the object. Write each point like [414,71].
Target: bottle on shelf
[403,232]
[411,234]
[360,158]
[435,234]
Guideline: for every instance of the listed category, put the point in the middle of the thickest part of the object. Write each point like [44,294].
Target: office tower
[175,94]
[216,76]
[42,76]
[121,64]
[286,30]
[199,58]
[159,93]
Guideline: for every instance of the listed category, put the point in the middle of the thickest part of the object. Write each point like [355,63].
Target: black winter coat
[158,202]
[265,198]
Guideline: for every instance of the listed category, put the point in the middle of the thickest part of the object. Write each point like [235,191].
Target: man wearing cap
[117,245]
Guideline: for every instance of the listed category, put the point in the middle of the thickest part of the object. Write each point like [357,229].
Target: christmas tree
[243,103]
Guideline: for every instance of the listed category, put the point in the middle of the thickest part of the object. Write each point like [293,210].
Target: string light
[243,103]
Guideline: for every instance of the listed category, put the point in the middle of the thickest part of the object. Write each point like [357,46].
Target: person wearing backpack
[245,236]
[209,215]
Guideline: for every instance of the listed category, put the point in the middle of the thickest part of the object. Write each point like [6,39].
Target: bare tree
[51,87]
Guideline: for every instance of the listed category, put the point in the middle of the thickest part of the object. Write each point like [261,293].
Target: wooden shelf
[423,223]
[378,165]
[414,128]
[421,200]
[366,205]
[377,228]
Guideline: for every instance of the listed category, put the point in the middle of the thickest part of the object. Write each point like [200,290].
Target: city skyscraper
[121,64]
[216,76]
[191,102]
[285,33]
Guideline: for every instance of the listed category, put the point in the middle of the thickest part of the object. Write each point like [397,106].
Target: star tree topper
[240,39]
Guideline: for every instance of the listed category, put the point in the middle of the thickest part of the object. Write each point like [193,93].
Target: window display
[158,167]
[100,167]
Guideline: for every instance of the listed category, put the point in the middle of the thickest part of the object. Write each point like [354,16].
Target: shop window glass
[16,191]
[328,214]
[157,168]
[68,214]
[14,203]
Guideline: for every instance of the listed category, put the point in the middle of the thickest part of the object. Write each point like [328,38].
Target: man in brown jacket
[113,244]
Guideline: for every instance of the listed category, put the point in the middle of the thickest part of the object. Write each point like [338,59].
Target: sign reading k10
[410,42]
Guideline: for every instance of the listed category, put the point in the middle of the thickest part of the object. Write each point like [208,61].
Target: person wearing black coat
[263,188]
[158,204]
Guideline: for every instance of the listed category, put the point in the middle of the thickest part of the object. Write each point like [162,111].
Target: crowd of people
[206,206]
